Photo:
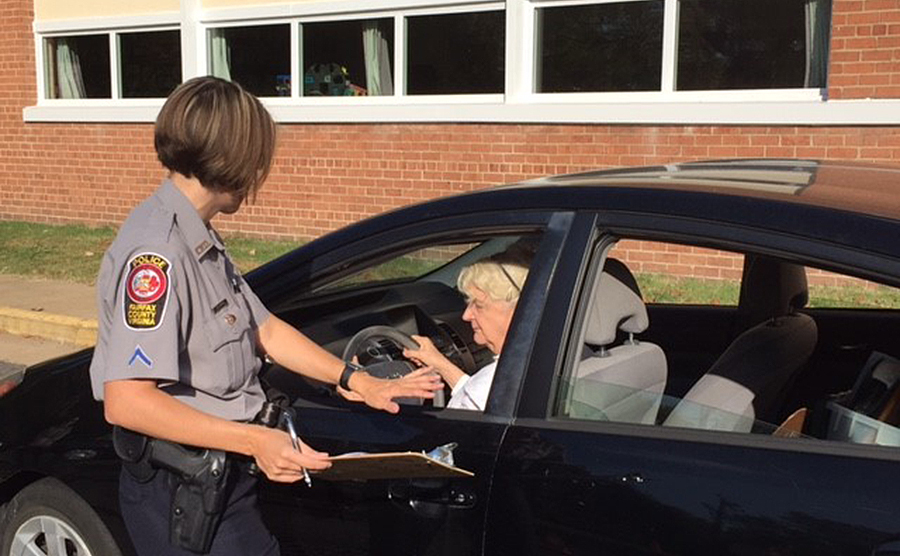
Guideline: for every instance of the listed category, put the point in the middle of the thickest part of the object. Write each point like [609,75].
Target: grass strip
[73,252]
[657,288]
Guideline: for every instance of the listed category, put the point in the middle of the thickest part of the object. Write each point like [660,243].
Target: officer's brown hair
[217,132]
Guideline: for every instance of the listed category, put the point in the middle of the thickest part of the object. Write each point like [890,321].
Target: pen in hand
[295,442]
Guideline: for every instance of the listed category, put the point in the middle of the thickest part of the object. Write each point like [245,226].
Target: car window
[408,266]
[795,351]
[832,290]
[682,274]
[413,293]
[434,263]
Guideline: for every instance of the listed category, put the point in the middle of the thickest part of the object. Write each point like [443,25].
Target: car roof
[849,204]
[847,186]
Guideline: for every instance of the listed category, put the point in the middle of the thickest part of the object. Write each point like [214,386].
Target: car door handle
[632,479]
[431,497]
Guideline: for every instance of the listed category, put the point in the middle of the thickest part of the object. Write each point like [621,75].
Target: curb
[10,377]
[60,328]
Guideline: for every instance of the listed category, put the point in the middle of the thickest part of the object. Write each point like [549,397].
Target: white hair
[501,277]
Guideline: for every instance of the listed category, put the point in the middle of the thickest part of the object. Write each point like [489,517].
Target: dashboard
[425,308]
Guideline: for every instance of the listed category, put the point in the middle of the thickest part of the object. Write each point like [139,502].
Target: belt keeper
[269,415]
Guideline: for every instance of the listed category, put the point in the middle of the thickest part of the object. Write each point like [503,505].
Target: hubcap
[45,535]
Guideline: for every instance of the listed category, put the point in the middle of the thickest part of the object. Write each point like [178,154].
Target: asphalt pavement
[43,319]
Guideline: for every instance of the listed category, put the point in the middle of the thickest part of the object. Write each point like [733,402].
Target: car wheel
[48,518]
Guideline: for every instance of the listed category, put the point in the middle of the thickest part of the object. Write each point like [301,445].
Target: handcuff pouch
[132,448]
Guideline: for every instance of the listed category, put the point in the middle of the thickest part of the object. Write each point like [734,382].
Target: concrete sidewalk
[41,319]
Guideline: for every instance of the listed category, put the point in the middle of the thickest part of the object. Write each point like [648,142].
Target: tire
[47,517]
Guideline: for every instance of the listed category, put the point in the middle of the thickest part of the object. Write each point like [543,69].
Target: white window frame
[203,29]
[667,92]
[40,52]
[516,105]
[123,109]
[399,98]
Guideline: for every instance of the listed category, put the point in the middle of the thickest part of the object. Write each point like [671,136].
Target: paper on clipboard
[389,465]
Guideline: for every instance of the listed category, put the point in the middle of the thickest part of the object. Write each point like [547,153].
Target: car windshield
[434,263]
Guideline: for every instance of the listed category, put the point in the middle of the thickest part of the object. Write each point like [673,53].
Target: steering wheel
[384,364]
[369,336]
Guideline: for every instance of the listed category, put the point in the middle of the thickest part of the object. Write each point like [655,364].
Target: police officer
[181,333]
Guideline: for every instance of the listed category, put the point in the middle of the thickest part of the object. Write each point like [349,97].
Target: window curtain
[219,55]
[66,81]
[818,23]
[50,69]
[379,80]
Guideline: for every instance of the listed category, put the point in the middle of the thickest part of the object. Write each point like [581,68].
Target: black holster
[199,477]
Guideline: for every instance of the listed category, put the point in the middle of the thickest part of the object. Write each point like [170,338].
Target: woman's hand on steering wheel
[426,355]
[429,355]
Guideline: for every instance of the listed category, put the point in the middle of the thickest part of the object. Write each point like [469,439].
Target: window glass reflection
[600,47]
[149,64]
[77,67]
[456,53]
[257,57]
[348,58]
[752,44]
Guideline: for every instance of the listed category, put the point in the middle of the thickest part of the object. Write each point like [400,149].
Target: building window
[461,53]
[446,60]
[752,44]
[256,57]
[348,58]
[149,64]
[600,47]
[77,67]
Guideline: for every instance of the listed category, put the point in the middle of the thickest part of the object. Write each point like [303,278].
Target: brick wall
[326,176]
[650,257]
[865,49]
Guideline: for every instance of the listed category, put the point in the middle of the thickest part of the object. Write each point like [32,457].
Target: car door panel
[396,517]
[400,517]
[573,487]
[577,490]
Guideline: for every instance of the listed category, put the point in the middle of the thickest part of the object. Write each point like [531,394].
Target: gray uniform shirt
[173,308]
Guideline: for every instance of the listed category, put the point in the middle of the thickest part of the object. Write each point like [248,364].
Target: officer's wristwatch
[349,369]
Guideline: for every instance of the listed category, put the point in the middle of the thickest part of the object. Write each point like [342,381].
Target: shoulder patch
[146,291]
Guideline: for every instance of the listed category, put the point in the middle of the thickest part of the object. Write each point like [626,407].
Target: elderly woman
[492,287]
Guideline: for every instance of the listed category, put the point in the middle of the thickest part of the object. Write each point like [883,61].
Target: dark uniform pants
[146,506]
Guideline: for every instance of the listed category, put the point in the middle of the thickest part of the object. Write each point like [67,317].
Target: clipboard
[390,465]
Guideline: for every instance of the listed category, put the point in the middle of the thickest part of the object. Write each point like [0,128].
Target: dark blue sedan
[704,360]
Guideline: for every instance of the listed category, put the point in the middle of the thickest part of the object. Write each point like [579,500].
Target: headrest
[620,272]
[771,288]
[615,306]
